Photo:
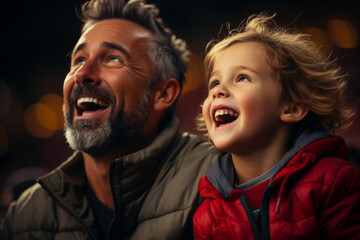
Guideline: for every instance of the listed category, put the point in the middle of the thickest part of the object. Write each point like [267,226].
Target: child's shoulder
[331,169]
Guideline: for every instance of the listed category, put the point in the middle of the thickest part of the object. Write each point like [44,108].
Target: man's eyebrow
[78,48]
[116,47]
[108,45]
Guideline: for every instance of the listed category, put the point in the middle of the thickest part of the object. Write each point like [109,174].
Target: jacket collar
[133,174]
[66,186]
[222,175]
[131,177]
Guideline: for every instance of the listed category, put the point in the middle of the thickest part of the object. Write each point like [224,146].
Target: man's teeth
[225,112]
[90,100]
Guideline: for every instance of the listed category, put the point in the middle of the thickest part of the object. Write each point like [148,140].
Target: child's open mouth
[225,116]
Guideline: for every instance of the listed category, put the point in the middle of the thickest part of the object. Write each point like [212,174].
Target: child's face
[242,111]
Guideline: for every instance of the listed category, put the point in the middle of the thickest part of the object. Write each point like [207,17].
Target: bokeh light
[31,120]
[195,75]
[46,116]
[43,118]
[55,102]
[3,141]
[343,33]
[321,37]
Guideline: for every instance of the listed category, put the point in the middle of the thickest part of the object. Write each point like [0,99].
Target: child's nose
[220,91]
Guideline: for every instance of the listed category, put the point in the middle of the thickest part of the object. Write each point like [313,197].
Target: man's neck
[97,173]
[97,168]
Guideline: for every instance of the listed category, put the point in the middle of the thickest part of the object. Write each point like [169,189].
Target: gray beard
[121,128]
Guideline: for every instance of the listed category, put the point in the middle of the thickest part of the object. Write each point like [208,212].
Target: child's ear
[294,112]
[165,93]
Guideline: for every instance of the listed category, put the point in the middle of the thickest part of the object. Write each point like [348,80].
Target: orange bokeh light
[343,33]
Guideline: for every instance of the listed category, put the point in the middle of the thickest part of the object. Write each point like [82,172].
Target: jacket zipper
[264,214]
[262,231]
[111,233]
[253,223]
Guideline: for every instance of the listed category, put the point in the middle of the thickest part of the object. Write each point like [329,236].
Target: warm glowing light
[31,121]
[343,33]
[195,75]
[321,37]
[55,102]
[3,141]
[46,116]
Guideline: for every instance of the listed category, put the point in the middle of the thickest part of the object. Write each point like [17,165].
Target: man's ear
[294,112]
[165,93]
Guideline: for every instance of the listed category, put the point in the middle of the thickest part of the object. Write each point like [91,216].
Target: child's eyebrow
[241,67]
[238,67]
[212,74]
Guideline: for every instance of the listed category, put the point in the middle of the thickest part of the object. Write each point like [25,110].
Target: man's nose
[87,74]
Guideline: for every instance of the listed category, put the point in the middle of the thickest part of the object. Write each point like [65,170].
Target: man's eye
[114,59]
[79,61]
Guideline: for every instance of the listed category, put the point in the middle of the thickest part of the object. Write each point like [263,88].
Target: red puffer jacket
[316,195]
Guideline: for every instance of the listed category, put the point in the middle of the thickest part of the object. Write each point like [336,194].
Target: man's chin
[87,125]
[88,140]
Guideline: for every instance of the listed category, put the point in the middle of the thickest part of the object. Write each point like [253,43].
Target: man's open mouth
[224,116]
[89,105]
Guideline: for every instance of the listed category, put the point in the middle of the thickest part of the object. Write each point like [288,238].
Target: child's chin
[222,147]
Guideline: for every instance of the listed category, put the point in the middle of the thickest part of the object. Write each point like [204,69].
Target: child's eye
[243,78]
[213,83]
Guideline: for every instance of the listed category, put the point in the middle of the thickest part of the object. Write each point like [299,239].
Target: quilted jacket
[154,190]
[315,195]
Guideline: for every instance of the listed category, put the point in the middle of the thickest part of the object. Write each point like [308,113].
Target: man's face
[106,95]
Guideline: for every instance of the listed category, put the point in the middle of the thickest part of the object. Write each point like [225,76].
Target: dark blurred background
[36,37]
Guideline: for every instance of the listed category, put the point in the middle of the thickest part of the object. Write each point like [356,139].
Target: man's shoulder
[28,211]
[188,159]
[32,199]
[194,144]
[36,213]
[191,152]
[174,197]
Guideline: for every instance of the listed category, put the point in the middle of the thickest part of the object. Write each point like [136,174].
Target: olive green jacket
[154,191]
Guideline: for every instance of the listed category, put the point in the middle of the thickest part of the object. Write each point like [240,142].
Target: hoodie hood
[222,173]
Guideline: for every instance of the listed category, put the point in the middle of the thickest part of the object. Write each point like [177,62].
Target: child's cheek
[206,112]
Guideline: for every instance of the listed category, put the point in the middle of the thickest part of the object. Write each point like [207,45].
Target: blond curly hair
[304,75]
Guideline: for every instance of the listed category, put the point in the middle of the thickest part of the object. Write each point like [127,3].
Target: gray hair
[168,54]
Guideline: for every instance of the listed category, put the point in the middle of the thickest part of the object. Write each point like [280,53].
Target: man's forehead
[116,28]
[119,31]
